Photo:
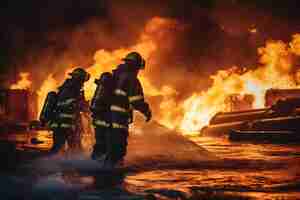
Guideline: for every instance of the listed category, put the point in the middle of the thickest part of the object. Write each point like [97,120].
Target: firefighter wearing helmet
[70,101]
[112,122]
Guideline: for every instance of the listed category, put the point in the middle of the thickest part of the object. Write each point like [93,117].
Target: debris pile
[279,122]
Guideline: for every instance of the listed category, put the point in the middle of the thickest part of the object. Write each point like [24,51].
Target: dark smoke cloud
[209,35]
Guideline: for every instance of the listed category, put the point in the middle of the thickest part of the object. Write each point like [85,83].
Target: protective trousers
[118,144]
[101,145]
[61,136]
[112,142]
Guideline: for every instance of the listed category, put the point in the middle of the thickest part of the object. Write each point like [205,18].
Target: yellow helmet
[80,73]
[136,58]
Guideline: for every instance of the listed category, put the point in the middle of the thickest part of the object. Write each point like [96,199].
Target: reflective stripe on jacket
[70,97]
[128,95]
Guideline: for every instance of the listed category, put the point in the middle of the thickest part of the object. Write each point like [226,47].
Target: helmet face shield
[81,74]
[136,59]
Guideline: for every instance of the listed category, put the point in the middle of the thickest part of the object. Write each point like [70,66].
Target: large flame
[275,70]
[108,60]
[23,83]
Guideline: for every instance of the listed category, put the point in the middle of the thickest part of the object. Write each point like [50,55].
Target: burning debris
[278,123]
[276,71]
[274,95]
[226,117]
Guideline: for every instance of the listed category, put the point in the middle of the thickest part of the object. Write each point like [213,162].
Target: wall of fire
[20,105]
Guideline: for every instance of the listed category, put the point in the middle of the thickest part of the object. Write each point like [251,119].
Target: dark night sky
[25,24]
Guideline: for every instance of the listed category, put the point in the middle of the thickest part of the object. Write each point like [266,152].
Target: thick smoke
[205,37]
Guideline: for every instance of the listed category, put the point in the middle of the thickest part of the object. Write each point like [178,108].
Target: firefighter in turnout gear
[100,108]
[66,124]
[111,126]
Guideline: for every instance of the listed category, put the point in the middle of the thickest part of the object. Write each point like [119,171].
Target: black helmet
[136,58]
[80,73]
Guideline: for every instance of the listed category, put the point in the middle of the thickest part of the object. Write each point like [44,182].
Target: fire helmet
[80,73]
[136,58]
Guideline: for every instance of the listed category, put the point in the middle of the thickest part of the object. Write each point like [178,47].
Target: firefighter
[66,123]
[100,108]
[127,95]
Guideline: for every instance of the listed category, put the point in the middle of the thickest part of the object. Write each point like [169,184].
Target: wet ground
[209,168]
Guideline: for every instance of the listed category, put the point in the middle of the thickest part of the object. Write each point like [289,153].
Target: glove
[148,115]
